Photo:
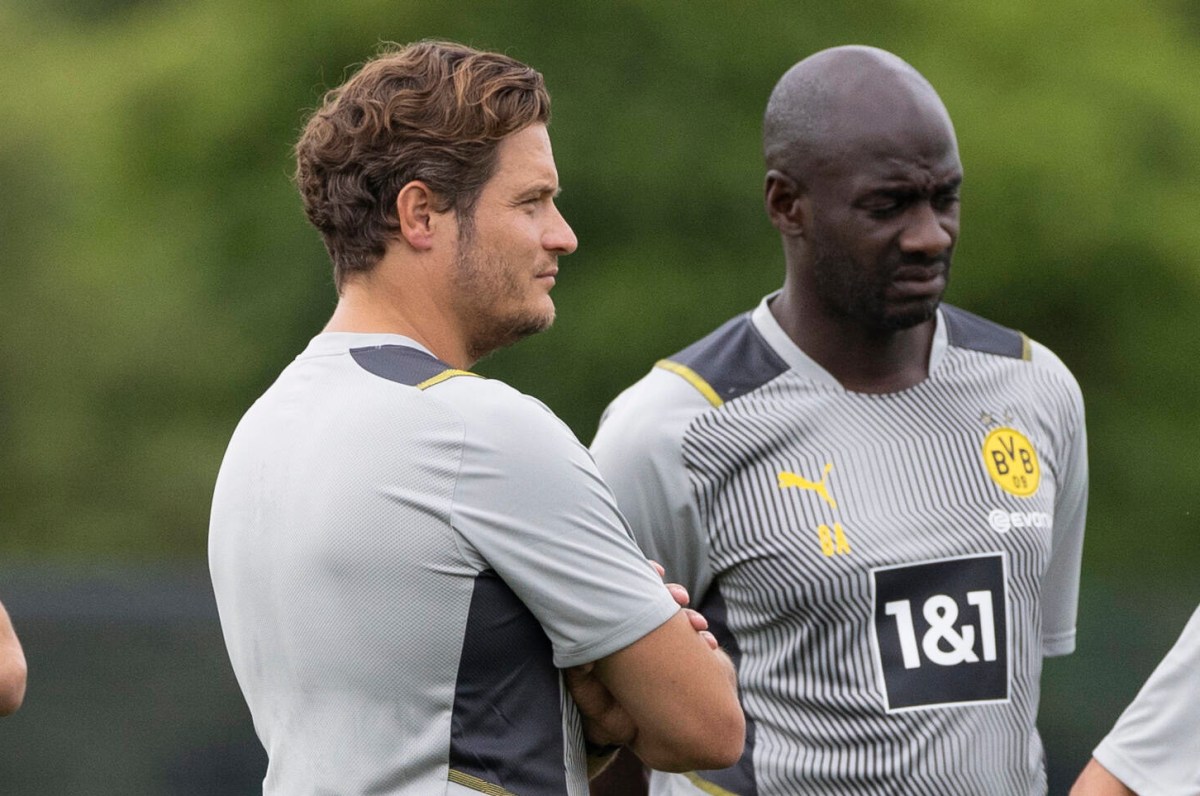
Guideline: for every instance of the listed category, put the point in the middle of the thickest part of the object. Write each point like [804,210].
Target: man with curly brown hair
[407,556]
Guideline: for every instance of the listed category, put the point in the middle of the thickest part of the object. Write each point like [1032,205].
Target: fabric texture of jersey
[403,557]
[1154,748]
[887,570]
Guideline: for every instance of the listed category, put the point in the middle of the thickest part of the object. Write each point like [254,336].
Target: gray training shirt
[403,556]
[1155,746]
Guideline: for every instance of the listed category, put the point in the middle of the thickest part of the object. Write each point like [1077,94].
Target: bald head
[845,98]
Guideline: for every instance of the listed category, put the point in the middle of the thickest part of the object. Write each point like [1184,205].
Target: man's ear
[419,220]
[786,203]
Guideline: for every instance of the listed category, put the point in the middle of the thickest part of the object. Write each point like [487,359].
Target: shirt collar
[803,364]
[329,343]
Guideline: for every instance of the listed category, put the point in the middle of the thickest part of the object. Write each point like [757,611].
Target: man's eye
[886,208]
[945,201]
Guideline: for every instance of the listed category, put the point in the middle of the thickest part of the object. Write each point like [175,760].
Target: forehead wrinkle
[944,170]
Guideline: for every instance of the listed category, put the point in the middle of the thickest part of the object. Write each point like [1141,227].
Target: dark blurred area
[156,273]
[130,690]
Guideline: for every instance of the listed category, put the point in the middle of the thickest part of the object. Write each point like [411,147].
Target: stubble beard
[849,289]
[491,299]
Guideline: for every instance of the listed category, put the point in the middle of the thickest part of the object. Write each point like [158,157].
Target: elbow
[710,744]
[724,744]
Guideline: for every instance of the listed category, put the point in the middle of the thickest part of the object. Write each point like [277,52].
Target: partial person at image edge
[13,669]
[1154,748]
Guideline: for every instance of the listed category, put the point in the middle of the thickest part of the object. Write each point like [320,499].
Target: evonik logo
[1003,521]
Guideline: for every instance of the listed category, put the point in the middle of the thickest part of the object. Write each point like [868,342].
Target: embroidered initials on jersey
[832,539]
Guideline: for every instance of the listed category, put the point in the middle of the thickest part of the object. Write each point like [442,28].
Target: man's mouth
[917,281]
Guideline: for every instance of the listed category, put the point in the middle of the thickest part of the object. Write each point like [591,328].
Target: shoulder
[729,362]
[501,421]
[725,364]
[650,419]
[966,330]
[489,414]
[405,365]
[970,332]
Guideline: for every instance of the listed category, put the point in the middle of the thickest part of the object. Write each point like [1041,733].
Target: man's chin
[534,326]
[506,333]
[900,318]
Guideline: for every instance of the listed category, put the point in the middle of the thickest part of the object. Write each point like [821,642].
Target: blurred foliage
[156,271]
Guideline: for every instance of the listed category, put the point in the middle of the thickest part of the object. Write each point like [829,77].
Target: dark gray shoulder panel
[399,363]
[967,330]
[734,359]
[506,729]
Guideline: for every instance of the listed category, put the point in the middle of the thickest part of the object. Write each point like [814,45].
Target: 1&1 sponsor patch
[940,632]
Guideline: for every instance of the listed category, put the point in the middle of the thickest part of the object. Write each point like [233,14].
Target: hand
[699,623]
[605,722]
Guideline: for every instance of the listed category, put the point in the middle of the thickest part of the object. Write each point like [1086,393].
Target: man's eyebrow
[905,187]
[541,189]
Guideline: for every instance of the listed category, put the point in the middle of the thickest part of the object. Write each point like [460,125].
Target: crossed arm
[1096,780]
[12,667]
[671,697]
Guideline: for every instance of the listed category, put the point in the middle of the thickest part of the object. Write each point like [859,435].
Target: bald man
[877,499]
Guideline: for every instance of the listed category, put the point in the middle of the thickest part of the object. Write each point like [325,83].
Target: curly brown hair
[431,111]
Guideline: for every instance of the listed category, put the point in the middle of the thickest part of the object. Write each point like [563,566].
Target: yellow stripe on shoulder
[693,378]
[706,786]
[1026,349]
[449,373]
[462,778]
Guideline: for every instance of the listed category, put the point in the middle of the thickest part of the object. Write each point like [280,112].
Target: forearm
[1095,780]
[688,746]
[684,700]
[676,685]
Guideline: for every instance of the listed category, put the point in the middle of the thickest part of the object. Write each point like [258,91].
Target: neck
[381,301]
[861,360]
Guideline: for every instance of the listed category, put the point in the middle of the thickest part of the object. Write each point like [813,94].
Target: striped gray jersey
[887,570]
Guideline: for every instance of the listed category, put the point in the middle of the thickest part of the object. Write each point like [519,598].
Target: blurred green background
[156,273]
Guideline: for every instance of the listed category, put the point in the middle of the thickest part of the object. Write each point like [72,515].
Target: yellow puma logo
[787,479]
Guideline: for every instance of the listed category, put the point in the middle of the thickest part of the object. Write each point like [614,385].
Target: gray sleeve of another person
[1154,748]
[639,450]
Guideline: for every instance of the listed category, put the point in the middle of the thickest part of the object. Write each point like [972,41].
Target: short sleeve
[530,505]
[1154,748]
[639,450]
[1060,587]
